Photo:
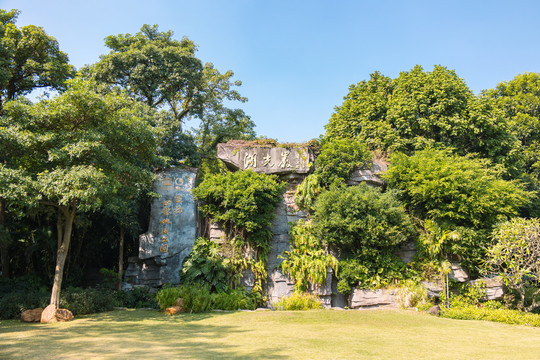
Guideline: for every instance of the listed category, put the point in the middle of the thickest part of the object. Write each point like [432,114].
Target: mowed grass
[321,334]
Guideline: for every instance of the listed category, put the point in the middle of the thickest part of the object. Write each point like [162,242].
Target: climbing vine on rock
[243,203]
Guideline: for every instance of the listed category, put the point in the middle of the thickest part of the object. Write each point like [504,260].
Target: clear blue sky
[296,59]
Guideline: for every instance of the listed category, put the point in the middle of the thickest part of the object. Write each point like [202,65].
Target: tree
[83,148]
[165,74]
[29,59]
[422,109]
[515,256]
[454,189]
[458,195]
[519,99]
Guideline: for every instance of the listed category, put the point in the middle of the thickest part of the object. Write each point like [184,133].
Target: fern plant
[307,262]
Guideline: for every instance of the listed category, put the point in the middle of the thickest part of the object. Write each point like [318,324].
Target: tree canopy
[79,150]
[421,109]
[29,59]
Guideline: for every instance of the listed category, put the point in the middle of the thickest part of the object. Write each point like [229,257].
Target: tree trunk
[120,259]
[3,244]
[64,239]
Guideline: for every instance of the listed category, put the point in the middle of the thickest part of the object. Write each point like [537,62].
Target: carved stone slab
[173,223]
[266,159]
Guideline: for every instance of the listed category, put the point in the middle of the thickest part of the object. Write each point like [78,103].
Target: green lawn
[321,334]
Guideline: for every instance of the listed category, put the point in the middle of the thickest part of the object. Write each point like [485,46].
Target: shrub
[339,158]
[298,301]
[470,312]
[204,265]
[361,217]
[88,301]
[307,262]
[14,303]
[139,297]
[234,300]
[167,296]
[515,255]
[410,294]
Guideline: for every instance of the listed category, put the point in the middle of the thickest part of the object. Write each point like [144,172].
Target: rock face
[458,273]
[494,287]
[370,176]
[32,315]
[51,314]
[373,298]
[171,234]
[265,159]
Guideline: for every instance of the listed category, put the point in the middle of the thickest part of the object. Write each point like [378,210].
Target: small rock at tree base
[32,315]
[52,314]
[435,310]
[173,310]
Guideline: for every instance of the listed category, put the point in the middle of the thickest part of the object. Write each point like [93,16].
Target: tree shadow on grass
[127,334]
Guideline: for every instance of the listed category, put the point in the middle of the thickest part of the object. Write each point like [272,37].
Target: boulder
[32,315]
[371,175]
[494,287]
[458,273]
[433,288]
[435,310]
[174,310]
[361,298]
[51,314]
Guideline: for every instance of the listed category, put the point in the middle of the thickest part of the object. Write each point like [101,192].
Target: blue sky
[296,59]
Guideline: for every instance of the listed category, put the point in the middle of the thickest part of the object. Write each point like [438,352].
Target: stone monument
[171,233]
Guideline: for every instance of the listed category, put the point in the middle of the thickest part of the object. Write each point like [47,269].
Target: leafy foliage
[515,256]
[298,301]
[205,265]
[339,158]
[471,312]
[421,109]
[29,59]
[359,218]
[198,298]
[243,201]
[307,262]
[453,189]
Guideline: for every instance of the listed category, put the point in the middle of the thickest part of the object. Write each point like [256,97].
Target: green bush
[307,262]
[14,303]
[470,312]
[361,217]
[244,201]
[298,301]
[138,297]
[339,158]
[411,294]
[234,300]
[167,296]
[205,265]
[88,301]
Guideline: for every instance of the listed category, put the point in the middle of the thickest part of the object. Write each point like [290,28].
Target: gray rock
[435,310]
[458,273]
[494,287]
[265,159]
[370,176]
[433,288]
[171,233]
[361,298]
[407,251]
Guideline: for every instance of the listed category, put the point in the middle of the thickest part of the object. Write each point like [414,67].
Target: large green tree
[165,74]
[81,149]
[29,59]
[519,99]
[420,109]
